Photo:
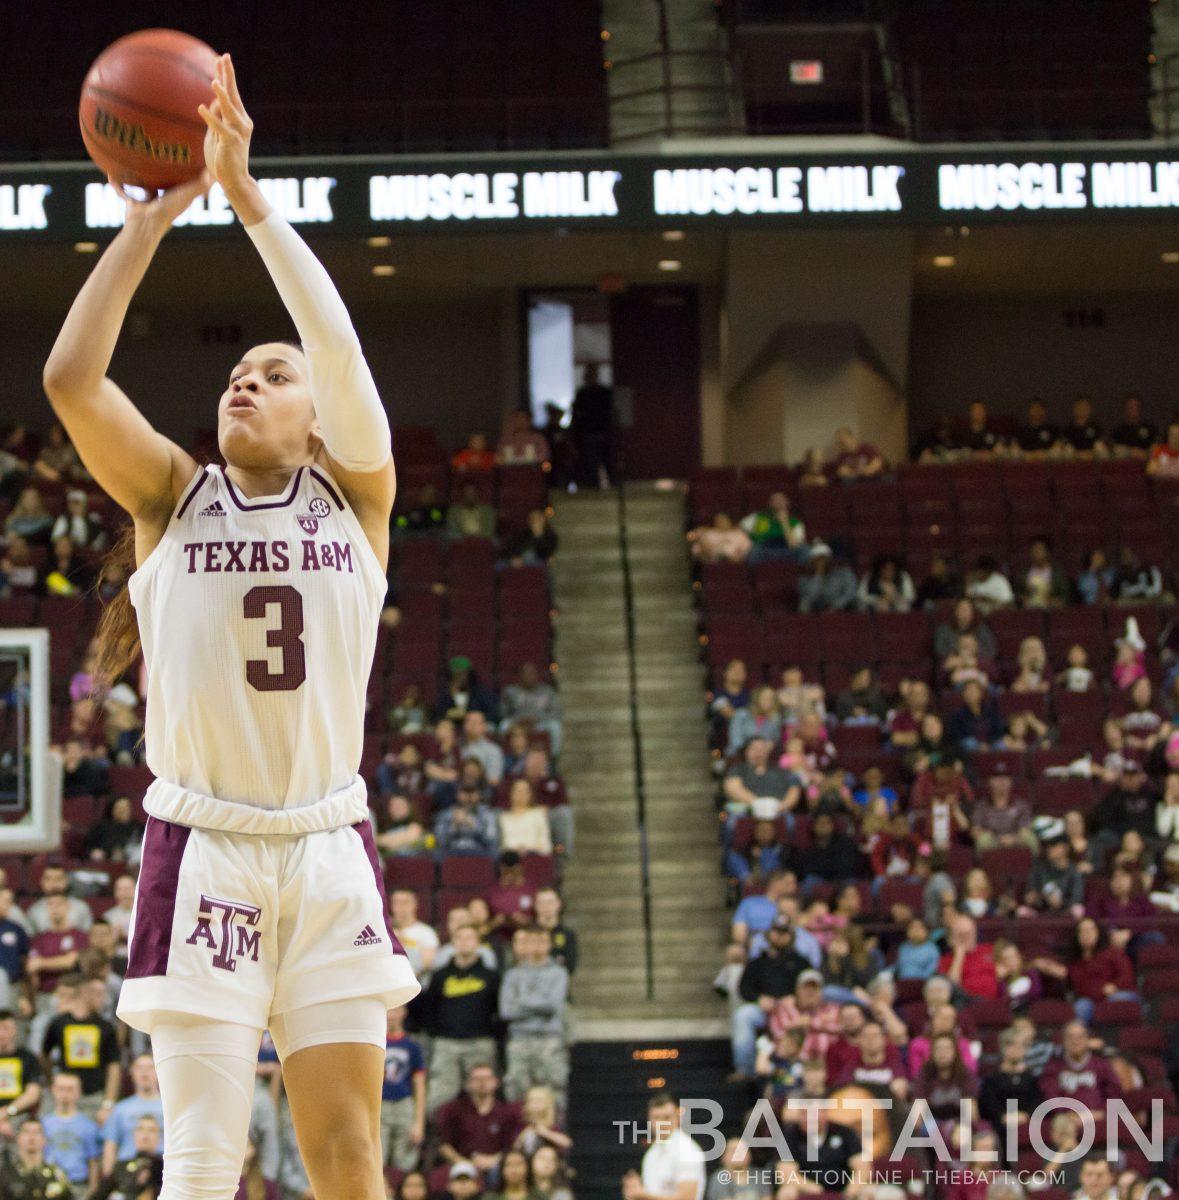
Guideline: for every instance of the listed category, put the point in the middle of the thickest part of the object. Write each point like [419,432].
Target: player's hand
[160,212]
[227,140]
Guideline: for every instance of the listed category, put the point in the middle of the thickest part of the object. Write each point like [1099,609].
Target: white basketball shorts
[240,927]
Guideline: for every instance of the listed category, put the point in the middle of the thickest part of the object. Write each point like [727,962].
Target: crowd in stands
[949,802]
[470,817]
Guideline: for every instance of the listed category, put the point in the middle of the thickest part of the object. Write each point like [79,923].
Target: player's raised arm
[351,418]
[142,470]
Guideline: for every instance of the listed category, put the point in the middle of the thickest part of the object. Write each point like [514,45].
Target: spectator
[472,516]
[1034,675]
[732,694]
[938,445]
[542,1126]
[18,571]
[1038,437]
[979,438]
[255,1184]
[477,745]
[978,896]
[81,1041]
[1000,819]
[831,857]
[977,724]
[20,1077]
[85,772]
[673,1165]
[562,938]
[1130,804]
[510,898]
[1019,983]
[462,693]
[1083,434]
[756,913]
[399,831]
[1136,582]
[468,827]
[1096,580]
[408,716]
[1164,456]
[1054,884]
[65,573]
[532,1003]
[964,619]
[763,858]
[548,789]
[965,664]
[418,940]
[119,915]
[550,1178]
[863,703]
[765,980]
[1044,584]
[829,1158]
[474,456]
[54,952]
[1079,1073]
[801,701]
[876,1063]
[807,1008]
[775,532]
[848,966]
[940,800]
[945,1081]
[988,587]
[813,472]
[940,584]
[24,1171]
[830,586]
[461,917]
[523,826]
[1097,1180]
[133,1174]
[761,719]
[757,786]
[29,519]
[57,459]
[73,1141]
[533,702]
[458,1009]
[967,963]
[520,444]
[514,1178]
[904,725]
[476,1128]
[855,459]
[1096,969]
[591,430]
[403,1096]
[1134,437]
[118,836]
[917,955]
[1077,675]
[14,941]
[1125,900]
[84,528]
[535,543]
[118,1131]
[735,1180]
[425,516]
[720,541]
[887,587]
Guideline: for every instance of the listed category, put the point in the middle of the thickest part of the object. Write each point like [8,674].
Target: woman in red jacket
[1096,969]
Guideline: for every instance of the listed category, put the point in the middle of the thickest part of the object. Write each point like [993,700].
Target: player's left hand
[227,140]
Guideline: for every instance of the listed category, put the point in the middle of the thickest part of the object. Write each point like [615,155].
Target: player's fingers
[214,121]
[232,114]
[231,82]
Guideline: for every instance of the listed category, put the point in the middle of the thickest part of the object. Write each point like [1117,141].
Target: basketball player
[257,593]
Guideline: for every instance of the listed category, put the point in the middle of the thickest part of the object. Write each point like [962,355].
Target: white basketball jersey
[258,619]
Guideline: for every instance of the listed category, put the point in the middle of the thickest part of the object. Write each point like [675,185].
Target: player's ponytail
[118,631]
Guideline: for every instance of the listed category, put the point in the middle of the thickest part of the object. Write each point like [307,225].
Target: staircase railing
[1168,69]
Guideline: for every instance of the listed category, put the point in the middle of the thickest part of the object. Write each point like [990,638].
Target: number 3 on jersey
[287,636]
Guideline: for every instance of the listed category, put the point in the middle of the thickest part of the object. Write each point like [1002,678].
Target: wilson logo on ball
[132,137]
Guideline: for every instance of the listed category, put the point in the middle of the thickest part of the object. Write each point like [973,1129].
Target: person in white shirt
[673,1166]
[524,826]
[419,941]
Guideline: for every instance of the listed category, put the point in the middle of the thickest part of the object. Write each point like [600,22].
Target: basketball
[138,111]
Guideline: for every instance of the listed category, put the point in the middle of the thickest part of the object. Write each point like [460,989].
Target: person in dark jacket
[591,429]
[460,1011]
[832,857]
[765,980]
[535,543]
[1011,1080]
[977,724]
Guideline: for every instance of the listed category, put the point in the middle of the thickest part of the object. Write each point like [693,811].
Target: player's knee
[347,1156]
[199,1173]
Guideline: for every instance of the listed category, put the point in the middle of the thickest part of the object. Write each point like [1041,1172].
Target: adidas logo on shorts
[368,938]
[213,510]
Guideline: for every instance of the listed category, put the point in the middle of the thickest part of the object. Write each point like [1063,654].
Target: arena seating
[459,75]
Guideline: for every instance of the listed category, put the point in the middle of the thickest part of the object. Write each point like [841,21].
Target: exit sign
[806,70]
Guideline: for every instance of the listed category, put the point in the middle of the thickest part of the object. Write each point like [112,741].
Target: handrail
[1168,89]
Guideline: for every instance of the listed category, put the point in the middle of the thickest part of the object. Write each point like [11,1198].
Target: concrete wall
[1006,349]
[452,365]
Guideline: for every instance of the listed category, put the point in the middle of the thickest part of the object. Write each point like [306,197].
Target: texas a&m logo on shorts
[227,927]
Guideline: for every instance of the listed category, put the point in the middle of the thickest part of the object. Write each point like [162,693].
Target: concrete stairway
[634,29]
[603,885]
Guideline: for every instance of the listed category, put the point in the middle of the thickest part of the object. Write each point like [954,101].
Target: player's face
[265,417]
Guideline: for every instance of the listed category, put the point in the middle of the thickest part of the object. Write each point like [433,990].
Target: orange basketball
[138,111]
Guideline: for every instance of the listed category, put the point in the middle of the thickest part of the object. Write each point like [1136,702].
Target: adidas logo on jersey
[213,510]
[368,937]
